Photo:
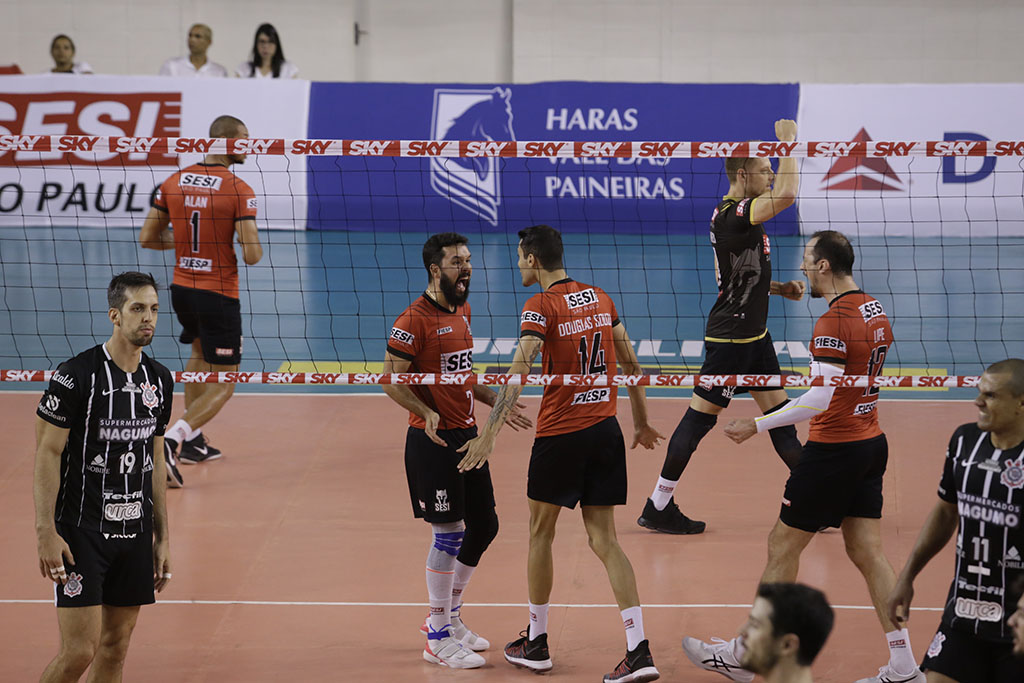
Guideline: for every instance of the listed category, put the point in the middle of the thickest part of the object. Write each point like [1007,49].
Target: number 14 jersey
[575,321]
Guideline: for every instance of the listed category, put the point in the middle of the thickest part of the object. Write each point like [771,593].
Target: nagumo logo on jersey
[200,180]
[987,510]
[457,361]
[585,297]
[128,429]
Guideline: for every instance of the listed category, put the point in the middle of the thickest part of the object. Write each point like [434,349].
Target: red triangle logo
[844,173]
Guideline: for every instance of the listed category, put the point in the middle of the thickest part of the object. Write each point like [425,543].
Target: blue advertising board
[500,195]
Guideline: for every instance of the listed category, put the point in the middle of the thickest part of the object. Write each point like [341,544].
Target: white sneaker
[451,653]
[887,675]
[471,640]
[461,633]
[718,657]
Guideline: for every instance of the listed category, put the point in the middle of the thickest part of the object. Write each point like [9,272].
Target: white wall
[534,40]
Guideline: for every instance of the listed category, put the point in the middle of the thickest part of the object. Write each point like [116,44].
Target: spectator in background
[62,49]
[196,64]
[267,59]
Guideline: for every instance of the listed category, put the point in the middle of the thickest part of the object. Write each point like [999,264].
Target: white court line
[283,603]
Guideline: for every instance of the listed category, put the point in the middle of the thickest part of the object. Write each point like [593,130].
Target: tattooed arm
[478,449]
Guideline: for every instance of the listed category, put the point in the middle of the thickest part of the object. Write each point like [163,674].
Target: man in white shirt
[196,64]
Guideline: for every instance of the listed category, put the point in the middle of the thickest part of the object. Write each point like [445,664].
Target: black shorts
[586,467]
[724,358]
[835,480]
[107,570]
[438,491]
[967,659]
[212,318]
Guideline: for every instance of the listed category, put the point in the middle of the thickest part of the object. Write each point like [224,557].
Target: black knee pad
[694,426]
[479,534]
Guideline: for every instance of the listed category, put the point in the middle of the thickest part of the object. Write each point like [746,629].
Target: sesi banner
[916,196]
[495,194]
[74,186]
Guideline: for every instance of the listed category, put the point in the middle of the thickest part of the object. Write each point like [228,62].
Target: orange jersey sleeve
[854,332]
[575,321]
[437,341]
[204,202]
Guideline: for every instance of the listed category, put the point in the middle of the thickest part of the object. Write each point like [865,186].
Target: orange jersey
[204,201]
[575,321]
[439,341]
[855,332]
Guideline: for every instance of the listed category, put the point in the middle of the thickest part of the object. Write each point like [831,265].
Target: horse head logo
[472,183]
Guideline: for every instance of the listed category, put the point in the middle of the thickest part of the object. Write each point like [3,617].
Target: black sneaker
[670,520]
[198,450]
[174,479]
[637,666]
[529,654]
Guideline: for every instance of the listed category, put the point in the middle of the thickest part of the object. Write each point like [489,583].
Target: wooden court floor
[296,556]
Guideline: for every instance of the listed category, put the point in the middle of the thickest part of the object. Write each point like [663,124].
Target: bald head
[199,38]
[1013,368]
[225,126]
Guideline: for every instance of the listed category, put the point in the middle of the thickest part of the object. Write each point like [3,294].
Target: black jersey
[106,469]
[987,486]
[743,266]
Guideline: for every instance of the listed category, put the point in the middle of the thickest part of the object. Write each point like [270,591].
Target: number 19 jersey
[575,321]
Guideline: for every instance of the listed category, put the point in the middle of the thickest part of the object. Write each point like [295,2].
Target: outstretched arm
[478,449]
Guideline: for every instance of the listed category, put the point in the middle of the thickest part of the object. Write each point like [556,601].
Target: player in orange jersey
[579,455]
[433,335]
[207,206]
[838,479]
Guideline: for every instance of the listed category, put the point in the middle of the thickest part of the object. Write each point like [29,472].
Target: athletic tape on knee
[449,543]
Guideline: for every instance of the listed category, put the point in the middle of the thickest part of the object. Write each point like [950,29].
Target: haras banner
[965,196]
[75,187]
[489,194]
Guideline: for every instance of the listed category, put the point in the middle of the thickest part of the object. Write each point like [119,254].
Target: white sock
[179,431]
[633,620]
[444,547]
[463,573]
[538,620]
[901,657]
[194,433]
[663,491]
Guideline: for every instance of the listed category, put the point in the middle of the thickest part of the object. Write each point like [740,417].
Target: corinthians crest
[149,398]
[1013,474]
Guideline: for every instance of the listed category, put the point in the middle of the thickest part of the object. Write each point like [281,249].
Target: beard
[760,663]
[451,292]
[140,338]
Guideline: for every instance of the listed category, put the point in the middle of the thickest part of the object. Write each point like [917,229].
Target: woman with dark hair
[267,59]
[62,49]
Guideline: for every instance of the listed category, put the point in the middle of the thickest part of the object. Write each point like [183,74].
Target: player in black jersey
[981,496]
[101,519]
[736,339]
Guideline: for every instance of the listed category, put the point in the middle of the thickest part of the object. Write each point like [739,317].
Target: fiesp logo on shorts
[137,115]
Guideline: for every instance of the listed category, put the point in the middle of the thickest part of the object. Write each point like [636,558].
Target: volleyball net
[343,223]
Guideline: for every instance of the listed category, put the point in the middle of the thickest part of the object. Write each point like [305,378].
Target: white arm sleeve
[815,400]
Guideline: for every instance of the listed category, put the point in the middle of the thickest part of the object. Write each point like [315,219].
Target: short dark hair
[802,611]
[225,126]
[119,286]
[1014,367]
[53,43]
[433,248]
[734,164]
[545,243]
[834,247]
